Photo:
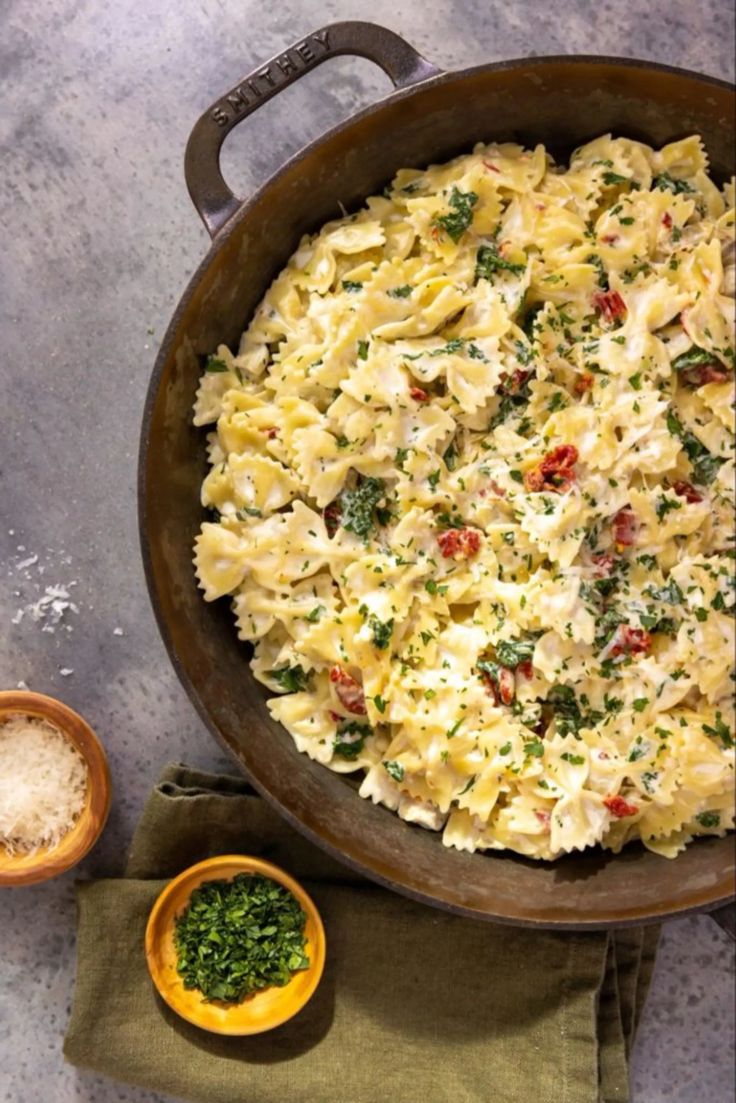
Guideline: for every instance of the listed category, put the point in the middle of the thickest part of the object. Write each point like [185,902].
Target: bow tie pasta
[471,496]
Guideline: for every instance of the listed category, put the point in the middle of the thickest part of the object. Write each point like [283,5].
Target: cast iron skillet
[430,117]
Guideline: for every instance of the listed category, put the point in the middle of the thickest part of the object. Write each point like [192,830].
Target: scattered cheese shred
[43,784]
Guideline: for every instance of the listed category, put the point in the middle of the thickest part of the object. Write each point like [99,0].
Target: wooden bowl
[27,869]
[263,1010]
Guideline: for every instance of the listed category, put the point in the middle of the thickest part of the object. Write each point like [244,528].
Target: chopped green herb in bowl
[235,945]
[236,937]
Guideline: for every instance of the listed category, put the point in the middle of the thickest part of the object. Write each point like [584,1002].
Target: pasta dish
[472,483]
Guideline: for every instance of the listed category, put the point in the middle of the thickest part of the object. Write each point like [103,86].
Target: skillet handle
[725,917]
[213,199]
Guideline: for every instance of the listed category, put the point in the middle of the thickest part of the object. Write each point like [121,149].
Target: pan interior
[562,103]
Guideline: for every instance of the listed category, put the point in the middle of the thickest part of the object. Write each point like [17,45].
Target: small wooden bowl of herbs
[235,945]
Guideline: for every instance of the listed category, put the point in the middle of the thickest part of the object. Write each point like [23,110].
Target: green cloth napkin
[415,1005]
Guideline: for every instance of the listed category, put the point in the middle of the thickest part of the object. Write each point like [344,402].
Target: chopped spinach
[291,679]
[350,738]
[214,364]
[705,465]
[393,769]
[456,222]
[665,182]
[709,819]
[358,505]
[512,652]
[693,358]
[380,631]
[489,261]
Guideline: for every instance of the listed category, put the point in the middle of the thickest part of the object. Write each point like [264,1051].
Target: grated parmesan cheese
[43,784]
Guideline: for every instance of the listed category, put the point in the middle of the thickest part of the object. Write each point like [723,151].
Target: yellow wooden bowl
[263,1010]
[26,869]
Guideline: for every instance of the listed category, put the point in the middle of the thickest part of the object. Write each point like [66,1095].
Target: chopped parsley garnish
[400,292]
[433,588]
[363,350]
[380,703]
[351,285]
[573,759]
[456,222]
[291,679]
[314,615]
[598,264]
[665,505]
[240,936]
[214,364]
[640,703]
[534,748]
[720,730]
[709,819]
[247,511]
[611,179]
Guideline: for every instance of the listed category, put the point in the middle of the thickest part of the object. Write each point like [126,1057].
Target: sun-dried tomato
[619,807]
[700,374]
[583,383]
[331,515]
[459,542]
[631,641]
[667,220]
[555,472]
[491,166]
[624,526]
[543,817]
[526,668]
[506,685]
[418,394]
[349,692]
[502,688]
[516,382]
[687,491]
[271,432]
[603,565]
[610,305]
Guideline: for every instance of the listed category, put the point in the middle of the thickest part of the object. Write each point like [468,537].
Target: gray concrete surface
[98,242]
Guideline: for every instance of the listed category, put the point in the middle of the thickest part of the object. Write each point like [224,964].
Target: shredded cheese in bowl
[43,784]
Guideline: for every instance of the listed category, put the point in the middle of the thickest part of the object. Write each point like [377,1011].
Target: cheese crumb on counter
[43,784]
